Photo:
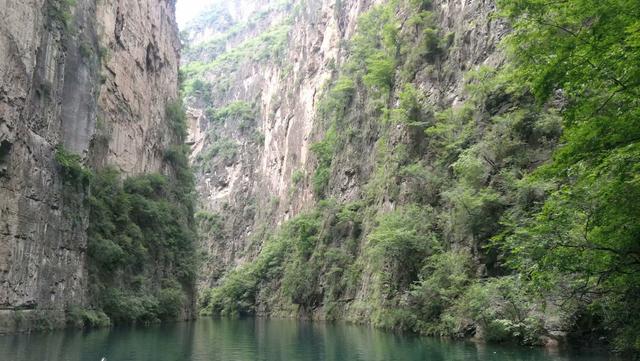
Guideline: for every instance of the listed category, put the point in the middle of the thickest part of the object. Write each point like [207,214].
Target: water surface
[260,340]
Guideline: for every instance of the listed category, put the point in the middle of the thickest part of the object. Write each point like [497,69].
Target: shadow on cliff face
[5,148]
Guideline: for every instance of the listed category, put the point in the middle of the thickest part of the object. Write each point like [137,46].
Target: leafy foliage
[141,239]
[410,110]
[79,318]
[225,148]
[338,98]
[585,233]
[238,291]
[177,119]
[399,244]
[502,309]
[73,171]
[268,45]
[198,88]
[324,151]
[238,109]
[131,223]
[213,47]
[380,71]
[443,280]
[302,257]
[297,176]
[60,12]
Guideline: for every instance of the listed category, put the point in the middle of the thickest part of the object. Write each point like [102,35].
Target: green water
[257,340]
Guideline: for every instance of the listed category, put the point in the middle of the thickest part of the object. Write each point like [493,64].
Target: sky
[189,9]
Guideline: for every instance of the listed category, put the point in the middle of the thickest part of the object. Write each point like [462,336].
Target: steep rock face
[258,180]
[265,177]
[139,78]
[93,78]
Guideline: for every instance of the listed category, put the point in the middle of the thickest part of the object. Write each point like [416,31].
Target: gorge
[464,169]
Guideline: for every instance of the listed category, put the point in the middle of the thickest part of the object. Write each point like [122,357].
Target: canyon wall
[254,165]
[279,81]
[354,160]
[90,78]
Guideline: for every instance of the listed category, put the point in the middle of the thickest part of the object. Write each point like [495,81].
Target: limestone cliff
[354,160]
[255,167]
[280,56]
[91,77]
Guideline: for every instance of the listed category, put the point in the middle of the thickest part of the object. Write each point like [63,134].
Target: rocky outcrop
[93,78]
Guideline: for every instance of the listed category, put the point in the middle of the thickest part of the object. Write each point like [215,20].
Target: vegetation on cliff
[582,241]
[510,214]
[141,248]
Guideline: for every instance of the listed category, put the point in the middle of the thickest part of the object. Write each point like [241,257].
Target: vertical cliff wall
[354,159]
[91,78]
[252,116]
[255,83]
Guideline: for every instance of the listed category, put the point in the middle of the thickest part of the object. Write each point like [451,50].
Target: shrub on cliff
[80,317]
[443,280]
[324,151]
[60,11]
[131,223]
[501,309]
[398,246]
[72,169]
[176,119]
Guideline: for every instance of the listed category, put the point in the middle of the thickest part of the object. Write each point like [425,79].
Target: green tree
[584,55]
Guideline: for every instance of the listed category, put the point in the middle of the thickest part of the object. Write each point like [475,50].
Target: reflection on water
[258,340]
